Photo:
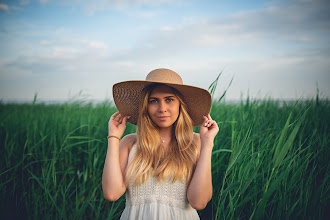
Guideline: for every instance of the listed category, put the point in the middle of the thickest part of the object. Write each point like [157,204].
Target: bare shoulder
[197,139]
[125,146]
[127,142]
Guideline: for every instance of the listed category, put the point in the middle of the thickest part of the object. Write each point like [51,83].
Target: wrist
[117,134]
[207,141]
[114,137]
[206,149]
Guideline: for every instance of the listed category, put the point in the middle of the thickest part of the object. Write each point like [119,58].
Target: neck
[165,133]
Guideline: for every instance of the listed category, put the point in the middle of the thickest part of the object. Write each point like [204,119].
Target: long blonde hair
[177,163]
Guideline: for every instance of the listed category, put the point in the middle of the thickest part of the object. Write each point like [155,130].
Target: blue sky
[278,49]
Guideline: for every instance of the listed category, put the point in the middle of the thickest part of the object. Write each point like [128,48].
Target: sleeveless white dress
[153,200]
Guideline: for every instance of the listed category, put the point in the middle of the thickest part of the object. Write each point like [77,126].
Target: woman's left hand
[208,129]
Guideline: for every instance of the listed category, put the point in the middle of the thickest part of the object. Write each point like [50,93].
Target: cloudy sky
[278,49]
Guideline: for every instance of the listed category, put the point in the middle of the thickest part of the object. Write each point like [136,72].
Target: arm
[113,184]
[200,189]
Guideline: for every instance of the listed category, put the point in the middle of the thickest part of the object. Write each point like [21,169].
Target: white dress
[153,200]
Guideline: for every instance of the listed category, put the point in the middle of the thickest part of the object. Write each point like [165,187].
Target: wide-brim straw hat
[127,94]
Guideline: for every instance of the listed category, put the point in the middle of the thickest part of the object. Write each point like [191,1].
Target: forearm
[200,188]
[113,184]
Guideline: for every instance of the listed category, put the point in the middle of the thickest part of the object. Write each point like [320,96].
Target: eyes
[153,101]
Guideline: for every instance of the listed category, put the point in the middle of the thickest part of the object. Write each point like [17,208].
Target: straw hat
[126,95]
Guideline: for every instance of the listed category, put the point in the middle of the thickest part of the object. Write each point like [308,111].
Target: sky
[61,50]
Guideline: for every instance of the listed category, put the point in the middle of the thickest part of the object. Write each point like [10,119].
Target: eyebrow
[171,96]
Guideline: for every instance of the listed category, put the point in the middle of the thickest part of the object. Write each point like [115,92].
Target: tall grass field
[270,160]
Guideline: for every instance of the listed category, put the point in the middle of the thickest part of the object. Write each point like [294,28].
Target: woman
[165,167]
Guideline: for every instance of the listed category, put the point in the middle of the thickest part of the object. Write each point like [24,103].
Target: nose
[162,106]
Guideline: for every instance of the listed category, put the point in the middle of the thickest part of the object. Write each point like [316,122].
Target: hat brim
[127,94]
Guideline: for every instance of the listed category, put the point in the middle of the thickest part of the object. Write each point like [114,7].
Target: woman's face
[163,106]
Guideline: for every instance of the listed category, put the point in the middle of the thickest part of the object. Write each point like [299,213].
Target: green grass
[270,161]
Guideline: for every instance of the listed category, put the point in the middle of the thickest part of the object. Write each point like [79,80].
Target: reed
[270,160]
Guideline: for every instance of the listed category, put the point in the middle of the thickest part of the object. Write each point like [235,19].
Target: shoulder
[125,147]
[127,142]
[129,138]
[197,138]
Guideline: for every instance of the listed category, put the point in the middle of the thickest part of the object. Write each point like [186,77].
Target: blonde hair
[150,159]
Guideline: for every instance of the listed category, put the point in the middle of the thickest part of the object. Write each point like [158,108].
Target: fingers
[205,118]
[114,115]
[209,128]
[125,119]
[208,122]
[208,117]
[117,117]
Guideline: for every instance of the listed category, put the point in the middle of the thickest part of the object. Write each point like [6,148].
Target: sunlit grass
[270,160]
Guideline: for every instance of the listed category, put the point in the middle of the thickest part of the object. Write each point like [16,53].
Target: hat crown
[164,76]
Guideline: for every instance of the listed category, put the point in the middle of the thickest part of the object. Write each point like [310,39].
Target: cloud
[272,29]
[295,17]
[44,1]
[259,46]
[281,50]
[55,56]
[92,7]
[24,2]
[74,42]
[4,7]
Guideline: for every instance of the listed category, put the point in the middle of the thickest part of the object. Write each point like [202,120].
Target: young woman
[165,167]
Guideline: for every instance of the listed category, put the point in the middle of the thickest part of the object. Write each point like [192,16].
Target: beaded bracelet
[110,136]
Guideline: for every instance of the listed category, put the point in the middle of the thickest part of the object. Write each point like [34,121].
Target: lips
[163,118]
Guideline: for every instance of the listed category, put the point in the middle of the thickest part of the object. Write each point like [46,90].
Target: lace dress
[153,200]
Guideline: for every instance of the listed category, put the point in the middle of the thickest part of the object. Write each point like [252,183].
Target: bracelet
[110,136]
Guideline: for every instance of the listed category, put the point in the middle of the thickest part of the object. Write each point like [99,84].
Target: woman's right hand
[117,124]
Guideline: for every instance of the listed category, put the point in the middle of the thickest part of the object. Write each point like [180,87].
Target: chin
[164,125]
